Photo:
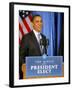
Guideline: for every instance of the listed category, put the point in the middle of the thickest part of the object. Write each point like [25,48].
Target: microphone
[44,43]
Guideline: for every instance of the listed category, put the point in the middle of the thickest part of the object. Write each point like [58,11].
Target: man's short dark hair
[35,16]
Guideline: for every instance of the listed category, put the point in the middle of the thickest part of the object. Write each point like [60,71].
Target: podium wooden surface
[24,73]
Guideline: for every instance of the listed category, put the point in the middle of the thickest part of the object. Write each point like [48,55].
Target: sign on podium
[44,66]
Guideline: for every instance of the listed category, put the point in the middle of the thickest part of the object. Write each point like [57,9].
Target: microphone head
[44,42]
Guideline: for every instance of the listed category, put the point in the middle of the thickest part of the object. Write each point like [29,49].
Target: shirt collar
[35,32]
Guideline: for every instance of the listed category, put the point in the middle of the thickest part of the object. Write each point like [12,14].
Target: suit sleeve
[23,50]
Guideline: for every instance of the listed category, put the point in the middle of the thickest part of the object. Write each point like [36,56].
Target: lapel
[33,38]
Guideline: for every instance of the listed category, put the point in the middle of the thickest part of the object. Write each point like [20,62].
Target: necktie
[39,38]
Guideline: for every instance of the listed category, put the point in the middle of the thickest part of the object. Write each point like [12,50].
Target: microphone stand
[44,44]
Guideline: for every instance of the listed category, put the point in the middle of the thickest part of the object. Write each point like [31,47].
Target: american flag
[24,23]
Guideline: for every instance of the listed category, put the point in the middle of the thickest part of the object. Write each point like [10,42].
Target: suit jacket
[29,47]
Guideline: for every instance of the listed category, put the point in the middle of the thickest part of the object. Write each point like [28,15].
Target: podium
[43,67]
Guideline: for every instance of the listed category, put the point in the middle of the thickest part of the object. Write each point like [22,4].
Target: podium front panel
[44,66]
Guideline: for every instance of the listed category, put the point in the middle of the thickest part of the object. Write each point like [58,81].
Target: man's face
[37,23]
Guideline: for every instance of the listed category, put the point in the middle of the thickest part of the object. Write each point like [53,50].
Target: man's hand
[24,71]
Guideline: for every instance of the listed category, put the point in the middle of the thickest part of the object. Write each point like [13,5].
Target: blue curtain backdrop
[53,29]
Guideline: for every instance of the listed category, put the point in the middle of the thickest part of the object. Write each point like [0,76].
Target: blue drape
[53,29]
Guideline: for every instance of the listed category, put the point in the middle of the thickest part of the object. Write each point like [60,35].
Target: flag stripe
[20,35]
[21,30]
[30,17]
[26,25]
[23,26]
[29,23]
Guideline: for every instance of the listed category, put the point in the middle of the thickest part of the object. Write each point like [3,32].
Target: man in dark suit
[30,45]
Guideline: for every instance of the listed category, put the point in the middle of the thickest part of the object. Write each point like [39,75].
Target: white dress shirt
[38,35]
